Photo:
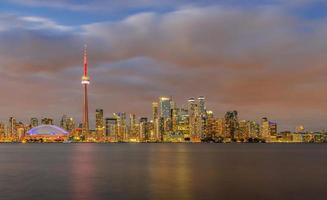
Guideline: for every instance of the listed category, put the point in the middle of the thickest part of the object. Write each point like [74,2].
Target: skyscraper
[85,83]
[12,126]
[231,124]
[99,122]
[202,107]
[111,128]
[165,107]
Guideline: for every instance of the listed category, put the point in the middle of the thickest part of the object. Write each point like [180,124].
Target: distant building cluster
[191,122]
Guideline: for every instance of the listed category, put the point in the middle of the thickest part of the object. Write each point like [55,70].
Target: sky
[263,58]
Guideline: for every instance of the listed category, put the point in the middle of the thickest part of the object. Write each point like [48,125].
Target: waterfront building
[12,127]
[201,103]
[111,128]
[46,133]
[155,119]
[144,133]
[67,123]
[165,107]
[121,126]
[99,123]
[231,124]
[268,129]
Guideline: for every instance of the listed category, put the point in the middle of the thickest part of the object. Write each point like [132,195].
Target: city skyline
[261,59]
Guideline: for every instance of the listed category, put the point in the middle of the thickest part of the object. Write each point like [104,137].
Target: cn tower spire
[85,60]
[85,83]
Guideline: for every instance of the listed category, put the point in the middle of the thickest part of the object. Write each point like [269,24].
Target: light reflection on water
[162,171]
[82,170]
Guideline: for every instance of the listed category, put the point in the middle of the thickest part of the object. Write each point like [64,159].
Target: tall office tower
[194,117]
[183,122]
[174,119]
[85,82]
[143,135]
[264,129]
[209,131]
[12,127]
[165,107]
[155,118]
[121,126]
[231,124]
[202,113]
[202,107]
[99,123]
[132,123]
[191,105]
[111,128]
[155,110]
[34,122]
[47,121]
[268,129]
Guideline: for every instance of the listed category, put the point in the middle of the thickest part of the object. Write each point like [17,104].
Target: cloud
[260,61]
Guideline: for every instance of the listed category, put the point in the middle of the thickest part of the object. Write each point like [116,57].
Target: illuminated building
[47,121]
[85,82]
[165,107]
[231,124]
[34,122]
[210,125]
[67,123]
[155,118]
[12,127]
[243,130]
[174,118]
[132,121]
[46,133]
[201,105]
[143,135]
[20,131]
[111,128]
[254,129]
[268,129]
[121,126]
[273,128]
[219,128]
[99,123]
[183,123]
[192,112]
[2,131]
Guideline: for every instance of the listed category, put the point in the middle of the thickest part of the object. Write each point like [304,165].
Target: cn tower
[85,83]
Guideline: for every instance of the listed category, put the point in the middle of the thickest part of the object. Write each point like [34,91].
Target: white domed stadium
[47,133]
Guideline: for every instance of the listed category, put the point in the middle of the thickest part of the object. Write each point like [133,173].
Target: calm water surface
[163,171]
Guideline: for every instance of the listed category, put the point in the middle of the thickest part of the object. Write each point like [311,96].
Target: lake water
[163,171]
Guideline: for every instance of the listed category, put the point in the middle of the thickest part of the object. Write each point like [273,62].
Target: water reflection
[82,171]
[170,173]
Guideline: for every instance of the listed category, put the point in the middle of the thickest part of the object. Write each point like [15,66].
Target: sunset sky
[263,58]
